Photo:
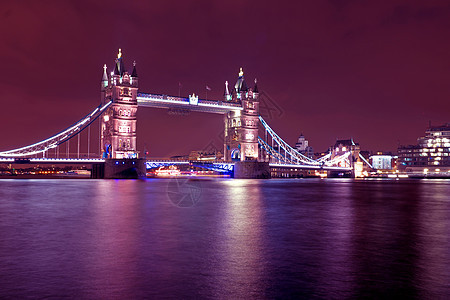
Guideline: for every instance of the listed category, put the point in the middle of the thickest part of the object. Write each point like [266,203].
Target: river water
[225,239]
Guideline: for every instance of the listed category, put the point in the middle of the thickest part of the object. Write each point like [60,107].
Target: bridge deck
[68,161]
[165,101]
[152,163]
[308,167]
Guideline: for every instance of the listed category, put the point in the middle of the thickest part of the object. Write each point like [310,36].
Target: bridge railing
[285,154]
[184,100]
[215,161]
[291,155]
[54,141]
[215,165]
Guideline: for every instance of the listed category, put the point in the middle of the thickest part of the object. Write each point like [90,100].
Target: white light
[193,99]
[53,139]
[152,99]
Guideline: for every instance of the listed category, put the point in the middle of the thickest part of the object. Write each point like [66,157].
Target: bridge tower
[354,162]
[118,129]
[241,127]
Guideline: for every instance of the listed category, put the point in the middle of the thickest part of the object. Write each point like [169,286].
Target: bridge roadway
[155,163]
[200,105]
[229,165]
[67,161]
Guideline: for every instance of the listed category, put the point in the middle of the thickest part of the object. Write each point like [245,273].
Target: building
[118,129]
[381,162]
[342,147]
[430,155]
[303,147]
[346,152]
[241,127]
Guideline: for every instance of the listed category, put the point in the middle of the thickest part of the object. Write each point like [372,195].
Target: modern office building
[430,155]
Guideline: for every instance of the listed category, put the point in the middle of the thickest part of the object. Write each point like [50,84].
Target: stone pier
[124,168]
[251,170]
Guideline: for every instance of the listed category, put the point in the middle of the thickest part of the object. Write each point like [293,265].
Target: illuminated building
[343,146]
[350,150]
[241,127]
[303,147]
[118,129]
[431,154]
[381,162]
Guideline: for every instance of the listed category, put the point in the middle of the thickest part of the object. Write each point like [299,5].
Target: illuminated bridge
[250,144]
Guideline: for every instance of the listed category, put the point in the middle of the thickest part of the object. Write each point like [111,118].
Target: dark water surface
[241,239]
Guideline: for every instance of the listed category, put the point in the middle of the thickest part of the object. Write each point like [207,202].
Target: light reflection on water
[434,229]
[242,239]
[242,250]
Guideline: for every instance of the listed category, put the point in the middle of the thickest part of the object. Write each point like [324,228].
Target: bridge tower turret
[118,129]
[241,126]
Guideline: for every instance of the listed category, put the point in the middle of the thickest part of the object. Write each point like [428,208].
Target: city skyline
[336,70]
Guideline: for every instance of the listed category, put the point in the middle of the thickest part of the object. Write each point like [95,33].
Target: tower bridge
[247,153]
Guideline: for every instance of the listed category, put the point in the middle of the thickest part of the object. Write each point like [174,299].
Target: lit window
[124,129]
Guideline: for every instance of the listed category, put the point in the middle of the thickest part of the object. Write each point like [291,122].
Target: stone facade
[118,127]
[251,170]
[124,169]
[241,126]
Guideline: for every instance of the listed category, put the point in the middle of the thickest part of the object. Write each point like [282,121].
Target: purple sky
[334,69]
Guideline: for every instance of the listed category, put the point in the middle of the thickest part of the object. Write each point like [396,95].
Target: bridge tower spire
[241,127]
[226,93]
[105,78]
[118,129]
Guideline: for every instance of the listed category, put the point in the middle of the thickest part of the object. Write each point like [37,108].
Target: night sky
[377,72]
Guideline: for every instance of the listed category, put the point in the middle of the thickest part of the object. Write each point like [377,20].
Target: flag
[208,88]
